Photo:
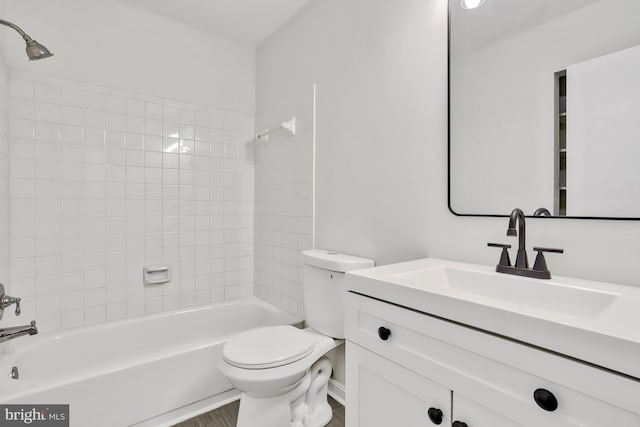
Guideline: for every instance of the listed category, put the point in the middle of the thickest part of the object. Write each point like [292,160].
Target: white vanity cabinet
[402,362]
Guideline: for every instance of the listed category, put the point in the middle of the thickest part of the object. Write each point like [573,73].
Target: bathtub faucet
[7,300]
[7,334]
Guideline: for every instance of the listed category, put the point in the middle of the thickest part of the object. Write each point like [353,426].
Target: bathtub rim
[23,343]
[25,386]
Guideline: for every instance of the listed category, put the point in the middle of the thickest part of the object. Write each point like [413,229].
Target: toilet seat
[269,347]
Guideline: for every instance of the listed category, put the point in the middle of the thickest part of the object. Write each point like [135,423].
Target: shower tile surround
[104,182]
[4,176]
[284,201]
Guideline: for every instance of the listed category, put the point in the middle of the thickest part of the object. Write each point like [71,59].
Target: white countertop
[594,322]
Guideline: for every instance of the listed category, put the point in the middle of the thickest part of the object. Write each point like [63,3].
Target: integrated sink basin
[518,292]
[595,322]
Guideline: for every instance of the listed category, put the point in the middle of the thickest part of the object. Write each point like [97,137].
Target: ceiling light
[471,4]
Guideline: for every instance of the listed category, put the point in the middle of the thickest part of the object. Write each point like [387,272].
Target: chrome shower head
[37,51]
[34,49]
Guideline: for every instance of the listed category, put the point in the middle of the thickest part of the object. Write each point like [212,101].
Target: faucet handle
[505,261]
[550,250]
[18,311]
[7,300]
[541,264]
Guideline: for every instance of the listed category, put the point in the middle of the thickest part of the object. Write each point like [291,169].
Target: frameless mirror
[544,108]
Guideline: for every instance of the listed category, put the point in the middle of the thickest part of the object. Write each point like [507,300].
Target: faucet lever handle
[18,311]
[7,300]
[499,245]
[541,264]
[505,261]
[551,250]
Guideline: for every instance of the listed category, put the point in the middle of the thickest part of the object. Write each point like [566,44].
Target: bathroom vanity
[434,342]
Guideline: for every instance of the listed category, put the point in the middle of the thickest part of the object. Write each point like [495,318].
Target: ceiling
[500,19]
[247,21]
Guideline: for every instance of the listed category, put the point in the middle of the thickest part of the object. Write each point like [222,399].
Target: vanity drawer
[496,373]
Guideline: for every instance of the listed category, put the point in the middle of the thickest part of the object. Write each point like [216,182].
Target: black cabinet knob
[435,415]
[459,424]
[384,333]
[545,399]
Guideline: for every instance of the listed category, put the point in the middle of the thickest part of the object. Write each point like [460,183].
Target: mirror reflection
[545,107]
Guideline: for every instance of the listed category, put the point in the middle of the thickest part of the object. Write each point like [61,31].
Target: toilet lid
[269,347]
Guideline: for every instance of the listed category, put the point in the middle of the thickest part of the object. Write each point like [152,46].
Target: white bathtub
[154,370]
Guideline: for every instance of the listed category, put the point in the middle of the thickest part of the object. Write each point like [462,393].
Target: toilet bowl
[281,370]
[265,362]
[276,379]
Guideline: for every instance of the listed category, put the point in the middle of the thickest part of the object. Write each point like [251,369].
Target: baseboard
[337,391]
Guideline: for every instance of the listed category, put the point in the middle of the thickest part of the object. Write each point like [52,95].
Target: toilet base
[303,406]
[320,417]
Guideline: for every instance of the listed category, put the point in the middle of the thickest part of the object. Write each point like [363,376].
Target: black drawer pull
[459,424]
[435,415]
[384,333]
[545,399]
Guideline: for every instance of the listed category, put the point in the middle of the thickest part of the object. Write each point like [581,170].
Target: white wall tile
[105,182]
[283,204]
[72,97]
[24,229]
[47,92]
[94,101]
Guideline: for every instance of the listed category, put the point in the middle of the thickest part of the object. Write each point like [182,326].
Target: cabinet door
[473,415]
[381,393]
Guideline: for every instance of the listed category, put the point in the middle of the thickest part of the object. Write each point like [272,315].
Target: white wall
[111,44]
[379,70]
[382,143]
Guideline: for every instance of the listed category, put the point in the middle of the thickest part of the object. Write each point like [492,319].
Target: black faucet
[542,212]
[521,267]
[517,216]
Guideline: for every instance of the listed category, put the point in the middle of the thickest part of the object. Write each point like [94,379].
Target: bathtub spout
[7,334]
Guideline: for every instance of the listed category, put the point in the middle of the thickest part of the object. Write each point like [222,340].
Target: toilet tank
[324,288]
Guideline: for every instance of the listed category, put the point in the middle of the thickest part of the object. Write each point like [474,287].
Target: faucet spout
[517,218]
[7,334]
[521,267]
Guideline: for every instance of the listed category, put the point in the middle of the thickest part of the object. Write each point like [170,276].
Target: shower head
[37,51]
[34,49]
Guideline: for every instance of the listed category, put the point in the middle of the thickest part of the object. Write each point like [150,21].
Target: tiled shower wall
[4,176]
[284,202]
[104,182]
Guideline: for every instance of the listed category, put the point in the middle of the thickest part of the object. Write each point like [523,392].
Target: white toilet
[281,370]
